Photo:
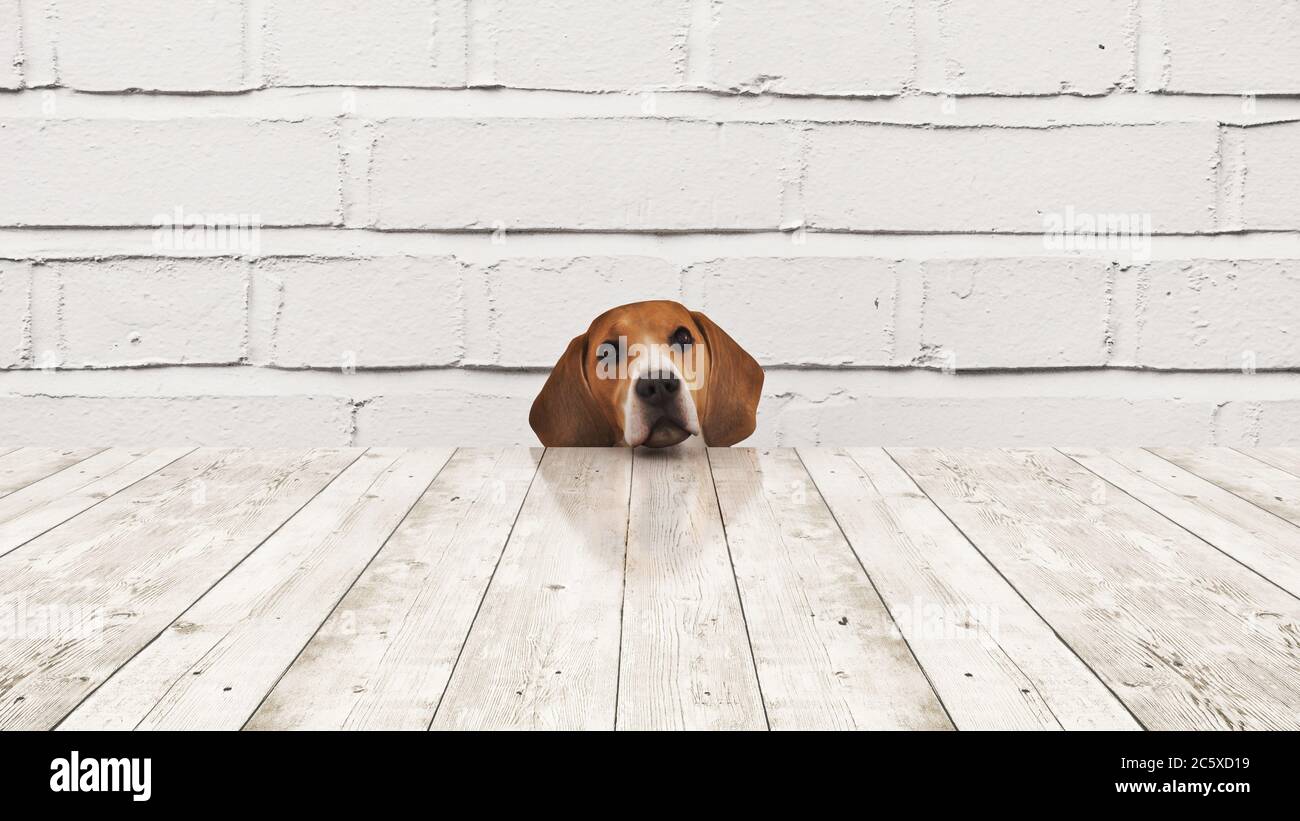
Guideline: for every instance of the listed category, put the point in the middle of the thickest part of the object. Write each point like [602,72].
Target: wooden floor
[602,588]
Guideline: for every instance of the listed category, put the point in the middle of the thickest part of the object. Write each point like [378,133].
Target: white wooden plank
[1287,459]
[1185,636]
[1265,543]
[382,660]
[21,467]
[543,651]
[992,660]
[685,660]
[1252,476]
[218,661]
[827,651]
[90,593]
[27,513]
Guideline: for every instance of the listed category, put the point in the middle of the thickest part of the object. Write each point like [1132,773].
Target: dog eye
[681,338]
[607,350]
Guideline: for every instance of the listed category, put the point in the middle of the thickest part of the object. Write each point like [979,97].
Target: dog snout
[657,389]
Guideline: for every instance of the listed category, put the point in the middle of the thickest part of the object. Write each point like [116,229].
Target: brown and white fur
[649,374]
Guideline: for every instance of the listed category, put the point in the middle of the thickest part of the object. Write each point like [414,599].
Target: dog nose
[658,389]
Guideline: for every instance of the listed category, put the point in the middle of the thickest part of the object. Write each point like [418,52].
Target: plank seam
[168,626]
[1264,462]
[622,601]
[1028,604]
[1011,659]
[48,475]
[875,589]
[451,674]
[179,679]
[20,545]
[1229,490]
[352,583]
[883,600]
[740,599]
[1179,524]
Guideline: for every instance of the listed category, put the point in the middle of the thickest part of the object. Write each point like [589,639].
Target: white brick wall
[1220,315]
[828,312]
[1272,177]
[15,287]
[11,46]
[1030,47]
[640,174]
[1003,179]
[154,45]
[446,191]
[360,313]
[128,172]
[790,47]
[1015,313]
[342,42]
[113,313]
[1238,48]
[585,44]
[251,421]
[514,305]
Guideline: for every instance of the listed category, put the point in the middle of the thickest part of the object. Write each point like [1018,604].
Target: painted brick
[1005,179]
[800,311]
[1220,315]
[523,312]
[1014,313]
[1272,177]
[451,417]
[124,173]
[15,290]
[829,47]
[1278,423]
[162,421]
[1031,47]
[151,311]
[364,313]
[812,321]
[156,45]
[578,174]
[1030,421]
[11,46]
[339,42]
[1235,48]
[588,44]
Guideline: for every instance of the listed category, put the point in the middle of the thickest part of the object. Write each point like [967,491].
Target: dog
[649,374]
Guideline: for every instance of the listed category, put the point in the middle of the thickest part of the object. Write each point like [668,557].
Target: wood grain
[685,661]
[1286,459]
[382,660]
[32,510]
[94,591]
[23,466]
[216,663]
[543,651]
[598,589]
[827,651]
[1184,635]
[1252,476]
[1267,544]
[995,663]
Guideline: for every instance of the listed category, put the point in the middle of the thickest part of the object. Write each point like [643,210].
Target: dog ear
[565,414]
[733,388]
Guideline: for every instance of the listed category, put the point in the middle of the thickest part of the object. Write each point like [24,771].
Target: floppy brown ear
[733,389]
[565,414]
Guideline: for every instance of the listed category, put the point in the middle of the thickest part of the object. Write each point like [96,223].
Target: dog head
[649,373]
